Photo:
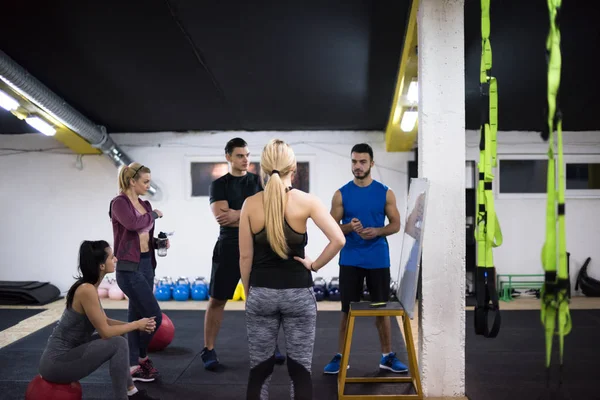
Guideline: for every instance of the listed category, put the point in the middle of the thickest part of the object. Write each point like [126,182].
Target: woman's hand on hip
[307,262]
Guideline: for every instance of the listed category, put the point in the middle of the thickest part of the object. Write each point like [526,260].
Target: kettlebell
[199,289]
[334,289]
[393,289]
[163,290]
[104,287]
[167,281]
[320,288]
[366,295]
[182,289]
[115,293]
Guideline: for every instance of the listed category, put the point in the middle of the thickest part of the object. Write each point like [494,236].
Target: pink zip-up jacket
[126,223]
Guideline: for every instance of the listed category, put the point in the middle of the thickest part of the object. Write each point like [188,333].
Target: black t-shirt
[233,189]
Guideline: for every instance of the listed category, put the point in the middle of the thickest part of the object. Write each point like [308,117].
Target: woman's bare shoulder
[304,200]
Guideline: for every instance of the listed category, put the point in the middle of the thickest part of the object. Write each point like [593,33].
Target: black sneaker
[142,395]
[279,358]
[209,358]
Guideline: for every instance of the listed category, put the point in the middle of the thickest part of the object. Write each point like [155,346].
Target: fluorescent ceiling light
[413,92]
[32,100]
[409,118]
[7,102]
[41,125]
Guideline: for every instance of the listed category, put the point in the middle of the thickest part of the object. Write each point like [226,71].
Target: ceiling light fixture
[413,92]
[7,102]
[41,125]
[409,118]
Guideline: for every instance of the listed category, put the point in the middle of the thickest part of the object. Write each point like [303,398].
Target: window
[203,173]
[583,176]
[523,175]
[470,173]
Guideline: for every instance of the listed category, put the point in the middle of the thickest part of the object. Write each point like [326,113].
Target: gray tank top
[72,330]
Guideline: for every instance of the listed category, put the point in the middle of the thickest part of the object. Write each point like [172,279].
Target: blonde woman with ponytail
[134,244]
[277,274]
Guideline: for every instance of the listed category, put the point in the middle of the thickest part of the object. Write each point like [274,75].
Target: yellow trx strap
[488,233]
[555,291]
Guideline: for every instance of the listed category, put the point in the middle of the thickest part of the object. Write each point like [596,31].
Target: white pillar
[442,161]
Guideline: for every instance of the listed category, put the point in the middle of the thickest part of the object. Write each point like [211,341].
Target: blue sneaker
[334,365]
[209,358]
[391,363]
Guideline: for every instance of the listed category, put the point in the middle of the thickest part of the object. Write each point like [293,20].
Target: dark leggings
[266,310]
[81,361]
[137,285]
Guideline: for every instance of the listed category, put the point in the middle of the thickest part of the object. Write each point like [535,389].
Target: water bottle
[162,244]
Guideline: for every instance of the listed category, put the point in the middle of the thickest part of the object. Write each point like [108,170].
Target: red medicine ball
[40,389]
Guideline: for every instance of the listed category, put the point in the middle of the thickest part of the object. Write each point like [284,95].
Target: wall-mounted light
[41,125]
[413,92]
[409,118]
[7,102]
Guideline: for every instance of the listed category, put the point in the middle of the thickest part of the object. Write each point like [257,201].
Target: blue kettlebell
[168,282]
[320,289]
[182,289]
[334,289]
[199,289]
[163,290]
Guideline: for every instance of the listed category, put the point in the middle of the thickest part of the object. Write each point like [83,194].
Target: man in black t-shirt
[227,195]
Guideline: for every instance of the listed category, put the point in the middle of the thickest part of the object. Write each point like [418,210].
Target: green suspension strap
[488,233]
[555,291]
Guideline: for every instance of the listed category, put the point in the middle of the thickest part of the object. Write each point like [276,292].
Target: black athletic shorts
[352,283]
[225,274]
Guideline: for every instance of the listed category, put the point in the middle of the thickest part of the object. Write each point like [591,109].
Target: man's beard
[366,174]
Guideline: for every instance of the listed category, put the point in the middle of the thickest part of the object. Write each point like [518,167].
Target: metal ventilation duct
[21,81]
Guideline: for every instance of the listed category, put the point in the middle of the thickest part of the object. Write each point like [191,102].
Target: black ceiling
[178,65]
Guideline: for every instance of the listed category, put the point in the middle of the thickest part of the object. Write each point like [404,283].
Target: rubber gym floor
[510,366]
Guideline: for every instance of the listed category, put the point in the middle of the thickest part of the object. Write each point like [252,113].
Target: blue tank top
[368,205]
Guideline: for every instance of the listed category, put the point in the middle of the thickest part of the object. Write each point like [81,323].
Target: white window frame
[567,159]
[581,159]
[498,178]
[189,159]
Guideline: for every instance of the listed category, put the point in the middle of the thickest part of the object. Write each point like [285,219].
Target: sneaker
[210,359]
[142,375]
[334,365]
[142,395]
[149,367]
[279,358]
[391,363]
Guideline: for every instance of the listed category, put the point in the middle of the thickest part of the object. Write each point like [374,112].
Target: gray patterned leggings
[266,310]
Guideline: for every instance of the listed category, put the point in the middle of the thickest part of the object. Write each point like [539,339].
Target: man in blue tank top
[362,206]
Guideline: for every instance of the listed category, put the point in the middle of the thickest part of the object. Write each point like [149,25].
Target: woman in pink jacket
[134,245]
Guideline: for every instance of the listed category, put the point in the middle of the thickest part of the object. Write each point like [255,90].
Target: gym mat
[183,375]
[12,316]
[512,365]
